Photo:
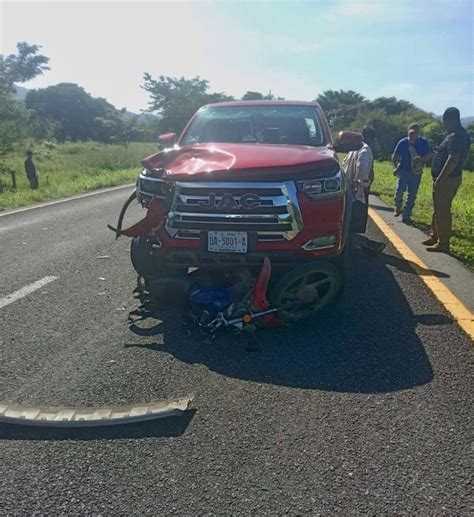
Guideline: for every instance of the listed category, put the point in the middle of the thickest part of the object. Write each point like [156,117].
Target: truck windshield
[290,125]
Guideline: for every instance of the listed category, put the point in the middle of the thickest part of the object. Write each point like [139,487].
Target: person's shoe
[407,220]
[397,212]
[438,248]
[430,242]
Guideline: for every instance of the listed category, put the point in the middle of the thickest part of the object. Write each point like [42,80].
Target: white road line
[73,198]
[25,291]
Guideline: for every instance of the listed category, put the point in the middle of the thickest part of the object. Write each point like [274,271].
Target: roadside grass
[462,243]
[71,168]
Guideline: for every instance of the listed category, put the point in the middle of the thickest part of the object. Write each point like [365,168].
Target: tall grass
[71,168]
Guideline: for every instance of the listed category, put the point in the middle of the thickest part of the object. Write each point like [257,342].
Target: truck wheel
[306,290]
[142,255]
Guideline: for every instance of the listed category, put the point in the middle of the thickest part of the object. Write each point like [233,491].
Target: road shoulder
[451,282]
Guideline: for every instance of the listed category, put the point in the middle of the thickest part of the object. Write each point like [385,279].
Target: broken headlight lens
[149,186]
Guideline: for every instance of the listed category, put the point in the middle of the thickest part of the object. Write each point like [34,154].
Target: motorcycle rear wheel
[306,290]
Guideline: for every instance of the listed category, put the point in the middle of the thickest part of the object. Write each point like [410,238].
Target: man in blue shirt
[408,158]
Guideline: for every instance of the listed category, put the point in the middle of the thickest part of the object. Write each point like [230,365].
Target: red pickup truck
[244,181]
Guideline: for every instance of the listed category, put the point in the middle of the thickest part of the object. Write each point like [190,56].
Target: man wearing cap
[446,169]
[408,158]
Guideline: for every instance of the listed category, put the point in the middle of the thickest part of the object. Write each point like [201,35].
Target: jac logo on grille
[227,201]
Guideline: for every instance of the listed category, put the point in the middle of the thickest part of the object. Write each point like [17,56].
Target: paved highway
[366,409]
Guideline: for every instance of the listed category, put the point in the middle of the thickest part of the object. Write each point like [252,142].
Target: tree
[257,96]
[73,111]
[21,67]
[391,105]
[120,128]
[176,100]
[470,130]
[252,96]
[342,107]
[13,119]
[335,100]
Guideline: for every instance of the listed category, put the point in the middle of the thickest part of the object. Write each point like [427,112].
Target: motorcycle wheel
[306,290]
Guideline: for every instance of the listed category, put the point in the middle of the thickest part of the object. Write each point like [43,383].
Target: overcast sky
[419,50]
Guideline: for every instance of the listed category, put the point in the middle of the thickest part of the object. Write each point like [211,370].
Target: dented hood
[242,161]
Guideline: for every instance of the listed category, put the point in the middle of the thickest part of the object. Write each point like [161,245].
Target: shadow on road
[161,428]
[367,343]
[407,266]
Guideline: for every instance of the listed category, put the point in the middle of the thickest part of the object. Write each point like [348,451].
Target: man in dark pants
[446,170]
[408,158]
[31,170]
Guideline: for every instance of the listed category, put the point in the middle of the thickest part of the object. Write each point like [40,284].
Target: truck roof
[262,103]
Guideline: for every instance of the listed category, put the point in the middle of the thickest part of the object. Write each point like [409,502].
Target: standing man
[31,170]
[446,170]
[408,158]
[359,169]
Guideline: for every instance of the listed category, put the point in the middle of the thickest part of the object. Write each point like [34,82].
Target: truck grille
[269,209]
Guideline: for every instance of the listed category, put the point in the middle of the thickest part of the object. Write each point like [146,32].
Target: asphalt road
[366,409]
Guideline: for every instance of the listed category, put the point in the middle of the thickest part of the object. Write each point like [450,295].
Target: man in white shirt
[359,169]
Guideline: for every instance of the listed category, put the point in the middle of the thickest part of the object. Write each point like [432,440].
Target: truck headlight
[149,186]
[322,188]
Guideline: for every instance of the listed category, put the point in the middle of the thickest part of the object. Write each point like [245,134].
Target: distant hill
[465,121]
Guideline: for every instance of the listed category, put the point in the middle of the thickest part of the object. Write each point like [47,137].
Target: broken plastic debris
[90,416]
[103,256]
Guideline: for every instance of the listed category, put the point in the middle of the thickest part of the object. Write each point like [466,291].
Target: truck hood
[241,161]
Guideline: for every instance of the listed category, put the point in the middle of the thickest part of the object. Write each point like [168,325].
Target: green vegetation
[389,116]
[462,243]
[71,168]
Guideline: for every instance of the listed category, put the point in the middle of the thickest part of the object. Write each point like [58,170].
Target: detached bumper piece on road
[89,416]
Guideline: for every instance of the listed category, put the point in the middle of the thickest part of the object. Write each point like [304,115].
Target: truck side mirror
[348,141]
[167,140]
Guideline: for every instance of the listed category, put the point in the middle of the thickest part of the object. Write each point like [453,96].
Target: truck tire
[306,290]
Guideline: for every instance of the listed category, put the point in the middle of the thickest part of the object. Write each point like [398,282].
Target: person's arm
[364,166]
[396,158]
[427,154]
[449,166]
[454,149]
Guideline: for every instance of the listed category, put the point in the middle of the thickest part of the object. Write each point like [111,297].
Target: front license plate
[230,242]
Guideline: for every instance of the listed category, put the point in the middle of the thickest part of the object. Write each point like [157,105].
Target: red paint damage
[153,221]
[222,160]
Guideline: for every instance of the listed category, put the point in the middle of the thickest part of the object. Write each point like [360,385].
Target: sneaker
[397,212]
[439,248]
[430,242]
[407,220]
